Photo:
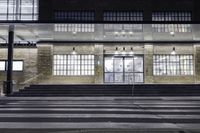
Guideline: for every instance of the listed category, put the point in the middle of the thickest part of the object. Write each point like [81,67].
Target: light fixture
[172,33]
[116,33]
[173,51]
[123,32]
[124,51]
[130,32]
[116,51]
[73,52]
[131,52]
[74,32]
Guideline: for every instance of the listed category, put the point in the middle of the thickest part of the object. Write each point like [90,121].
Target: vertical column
[99,64]
[44,60]
[197,64]
[148,63]
[9,86]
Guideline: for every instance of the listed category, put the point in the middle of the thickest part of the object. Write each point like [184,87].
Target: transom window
[180,16]
[74,27]
[173,65]
[17,65]
[18,9]
[73,65]
[74,15]
[123,16]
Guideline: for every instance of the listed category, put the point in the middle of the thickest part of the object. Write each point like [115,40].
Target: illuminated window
[183,16]
[2,66]
[73,65]
[173,65]
[19,10]
[17,65]
[74,28]
[87,65]
[74,15]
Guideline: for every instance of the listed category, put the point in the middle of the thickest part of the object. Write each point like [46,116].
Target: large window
[123,69]
[74,28]
[182,16]
[173,65]
[73,65]
[18,9]
[17,65]
[74,15]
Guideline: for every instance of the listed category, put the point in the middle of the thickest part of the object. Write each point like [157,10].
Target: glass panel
[118,64]
[17,65]
[138,62]
[2,66]
[109,77]
[118,77]
[139,77]
[128,64]
[129,78]
[108,64]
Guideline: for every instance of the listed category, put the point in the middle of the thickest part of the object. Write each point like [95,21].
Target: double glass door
[123,69]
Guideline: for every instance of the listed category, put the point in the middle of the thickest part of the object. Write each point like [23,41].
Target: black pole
[10,60]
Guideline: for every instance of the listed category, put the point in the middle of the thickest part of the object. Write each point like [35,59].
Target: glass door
[121,69]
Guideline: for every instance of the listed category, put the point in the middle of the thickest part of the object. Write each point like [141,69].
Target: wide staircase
[110,90]
[99,114]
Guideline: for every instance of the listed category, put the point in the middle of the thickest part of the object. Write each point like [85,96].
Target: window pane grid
[74,15]
[74,27]
[173,65]
[19,10]
[73,65]
[180,16]
[123,16]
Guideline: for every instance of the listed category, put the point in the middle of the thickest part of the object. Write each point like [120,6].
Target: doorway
[124,69]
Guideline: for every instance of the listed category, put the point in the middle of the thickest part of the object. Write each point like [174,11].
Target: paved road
[98,114]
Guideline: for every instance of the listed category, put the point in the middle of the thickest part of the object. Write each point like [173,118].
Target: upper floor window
[19,10]
[123,16]
[172,16]
[122,30]
[74,15]
[179,16]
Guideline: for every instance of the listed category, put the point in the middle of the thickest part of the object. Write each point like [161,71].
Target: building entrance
[124,69]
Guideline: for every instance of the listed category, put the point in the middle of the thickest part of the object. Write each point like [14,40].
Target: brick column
[45,59]
[99,64]
[148,63]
